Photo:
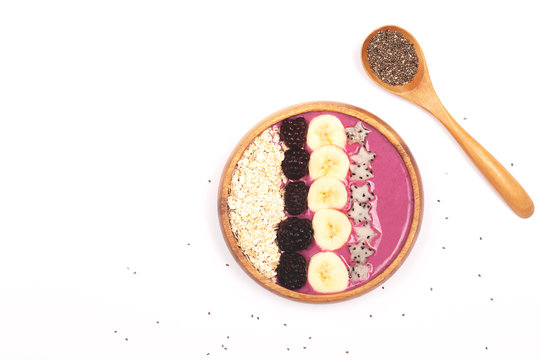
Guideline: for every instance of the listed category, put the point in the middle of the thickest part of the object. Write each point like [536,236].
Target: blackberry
[293,132]
[294,234]
[291,271]
[296,197]
[295,163]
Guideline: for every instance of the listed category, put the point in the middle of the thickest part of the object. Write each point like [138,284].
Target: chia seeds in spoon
[392,57]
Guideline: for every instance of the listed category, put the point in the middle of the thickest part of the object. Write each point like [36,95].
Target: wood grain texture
[370,119]
[420,91]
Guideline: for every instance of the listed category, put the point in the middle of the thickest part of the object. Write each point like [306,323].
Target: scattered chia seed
[392,57]
[226,264]
[479,275]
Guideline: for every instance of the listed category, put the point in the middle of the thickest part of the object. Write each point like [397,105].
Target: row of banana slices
[328,166]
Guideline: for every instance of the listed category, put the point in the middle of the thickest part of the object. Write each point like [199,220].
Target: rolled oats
[255,201]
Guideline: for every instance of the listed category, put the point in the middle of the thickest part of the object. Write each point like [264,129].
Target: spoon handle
[505,184]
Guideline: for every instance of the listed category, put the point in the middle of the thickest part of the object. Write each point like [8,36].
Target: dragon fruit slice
[356,134]
[359,272]
[361,193]
[359,212]
[363,156]
[360,172]
[364,233]
[360,252]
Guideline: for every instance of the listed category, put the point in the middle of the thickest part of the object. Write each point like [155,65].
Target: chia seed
[392,57]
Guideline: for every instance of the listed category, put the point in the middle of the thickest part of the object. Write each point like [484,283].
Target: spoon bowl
[420,79]
[420,91]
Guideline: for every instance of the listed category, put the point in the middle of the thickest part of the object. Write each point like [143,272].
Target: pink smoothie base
[393,206]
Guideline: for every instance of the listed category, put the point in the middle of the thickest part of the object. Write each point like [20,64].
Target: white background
[117,117]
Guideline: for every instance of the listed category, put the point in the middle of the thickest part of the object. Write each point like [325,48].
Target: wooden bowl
[367,118]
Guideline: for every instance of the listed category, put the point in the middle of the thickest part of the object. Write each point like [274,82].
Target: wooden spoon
[420,91]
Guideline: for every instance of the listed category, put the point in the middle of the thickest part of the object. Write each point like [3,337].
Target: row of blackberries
[294,234]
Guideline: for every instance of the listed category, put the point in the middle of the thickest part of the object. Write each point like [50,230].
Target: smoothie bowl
[320,202]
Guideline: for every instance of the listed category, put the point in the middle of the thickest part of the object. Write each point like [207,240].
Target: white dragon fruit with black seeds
[360,172]
[363,156]
[359,212]
[356,133]
[360,252]
[359,272]
[364,233]
[361,193]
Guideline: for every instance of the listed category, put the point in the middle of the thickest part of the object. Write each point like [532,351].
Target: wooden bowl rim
[370,119]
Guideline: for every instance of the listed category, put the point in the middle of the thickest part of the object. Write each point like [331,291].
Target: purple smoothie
[392,208]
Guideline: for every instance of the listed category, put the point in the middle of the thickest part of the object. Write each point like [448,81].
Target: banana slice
[327,273]
[331,229]
[327,193]
[326,130]
[328,160]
